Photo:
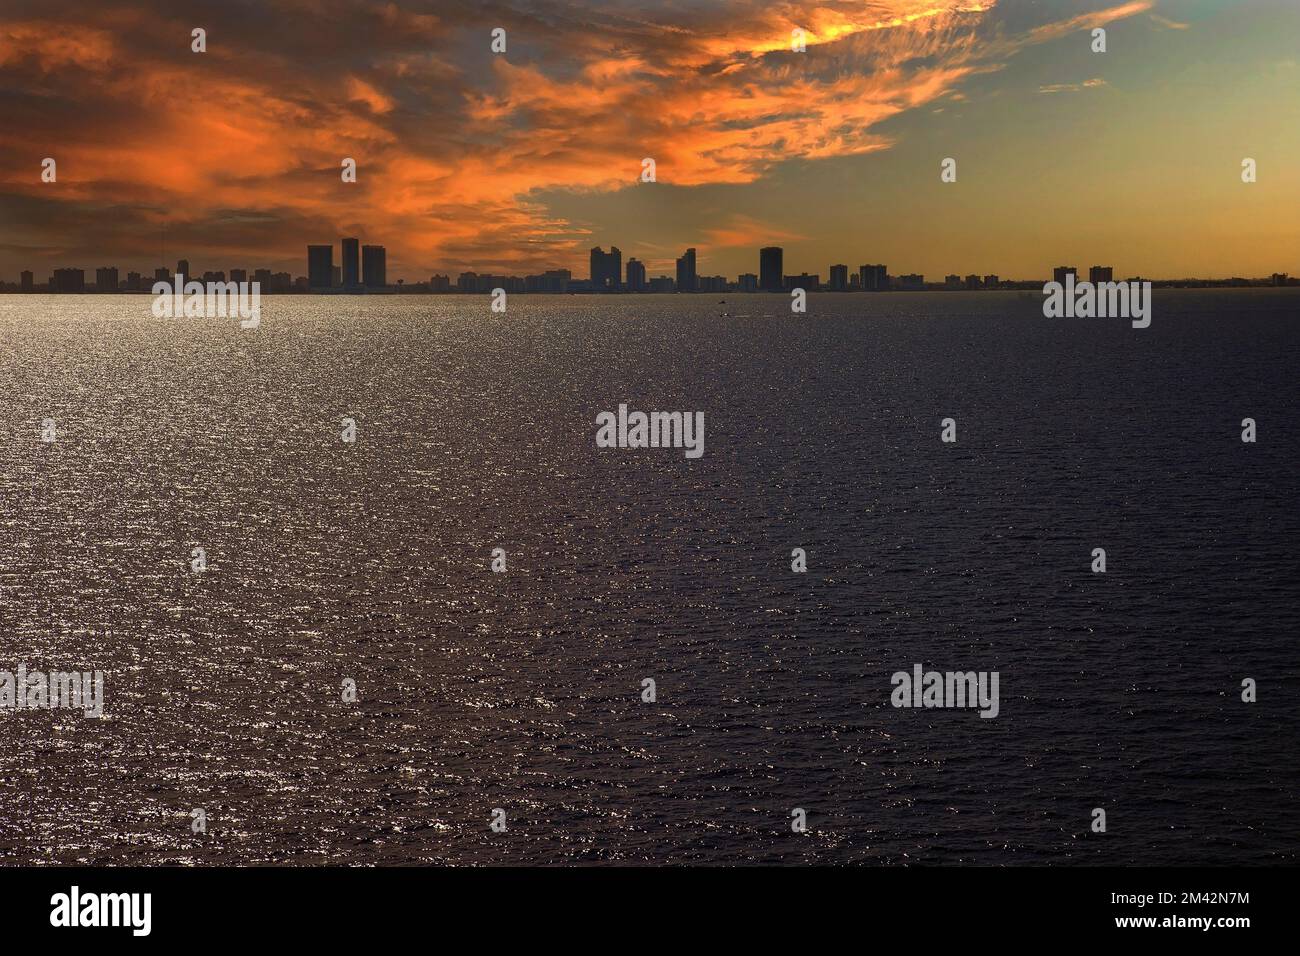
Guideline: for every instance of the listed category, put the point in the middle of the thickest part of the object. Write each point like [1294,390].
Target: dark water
[522,690]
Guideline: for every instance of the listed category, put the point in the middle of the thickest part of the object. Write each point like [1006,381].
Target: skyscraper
[320,267]
[106,279]
[555,280]
[351,263]
[873,278]
[1100,274]
[686,271]
[1060,272]
[374,267]
[183,268]
[809,283]
[27,280]
[771,262]
[615,262]
[68,280]
[606,268]
[635,275]
[839,281]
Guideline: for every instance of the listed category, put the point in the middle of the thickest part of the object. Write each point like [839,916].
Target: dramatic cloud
[233,156]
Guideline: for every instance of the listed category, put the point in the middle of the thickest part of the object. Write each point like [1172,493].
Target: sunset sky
[521,162]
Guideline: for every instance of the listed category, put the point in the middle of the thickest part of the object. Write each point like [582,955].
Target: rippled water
[522,690]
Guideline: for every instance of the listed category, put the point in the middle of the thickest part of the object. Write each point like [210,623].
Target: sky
[518,162]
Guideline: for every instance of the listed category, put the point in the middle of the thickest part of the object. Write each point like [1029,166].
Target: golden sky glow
[520,162]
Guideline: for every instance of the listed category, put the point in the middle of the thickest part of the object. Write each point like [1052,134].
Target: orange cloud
[452,143]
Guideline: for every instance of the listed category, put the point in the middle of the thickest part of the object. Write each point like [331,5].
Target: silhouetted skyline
[517,163]
[605,277]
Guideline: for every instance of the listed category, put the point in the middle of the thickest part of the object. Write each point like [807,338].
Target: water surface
[522,690]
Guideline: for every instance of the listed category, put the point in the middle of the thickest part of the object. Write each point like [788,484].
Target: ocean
[521,692]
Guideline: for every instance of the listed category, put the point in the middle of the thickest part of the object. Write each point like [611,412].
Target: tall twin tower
[371,264]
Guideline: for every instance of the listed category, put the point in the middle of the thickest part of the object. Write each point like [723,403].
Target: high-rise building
[991,282]
[747,282]
[912,282]
[1060,272]
[614,264]
[183,268]
[606,268]
[686,271]
[134,282]
[351,263]
[68,280]
[839,279]
[162,274]
[554,281]
[320,266]
[374,267]
[809,283]
[106,279]
[238,275]
[27,281]
[770,263]
[481,283]
[636,281]
[874,278]
[1100,274]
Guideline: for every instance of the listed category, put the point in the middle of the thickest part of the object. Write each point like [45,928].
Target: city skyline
[520,162]
[362,268]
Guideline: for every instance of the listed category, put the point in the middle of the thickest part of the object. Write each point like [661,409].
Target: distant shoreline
[1189,284]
